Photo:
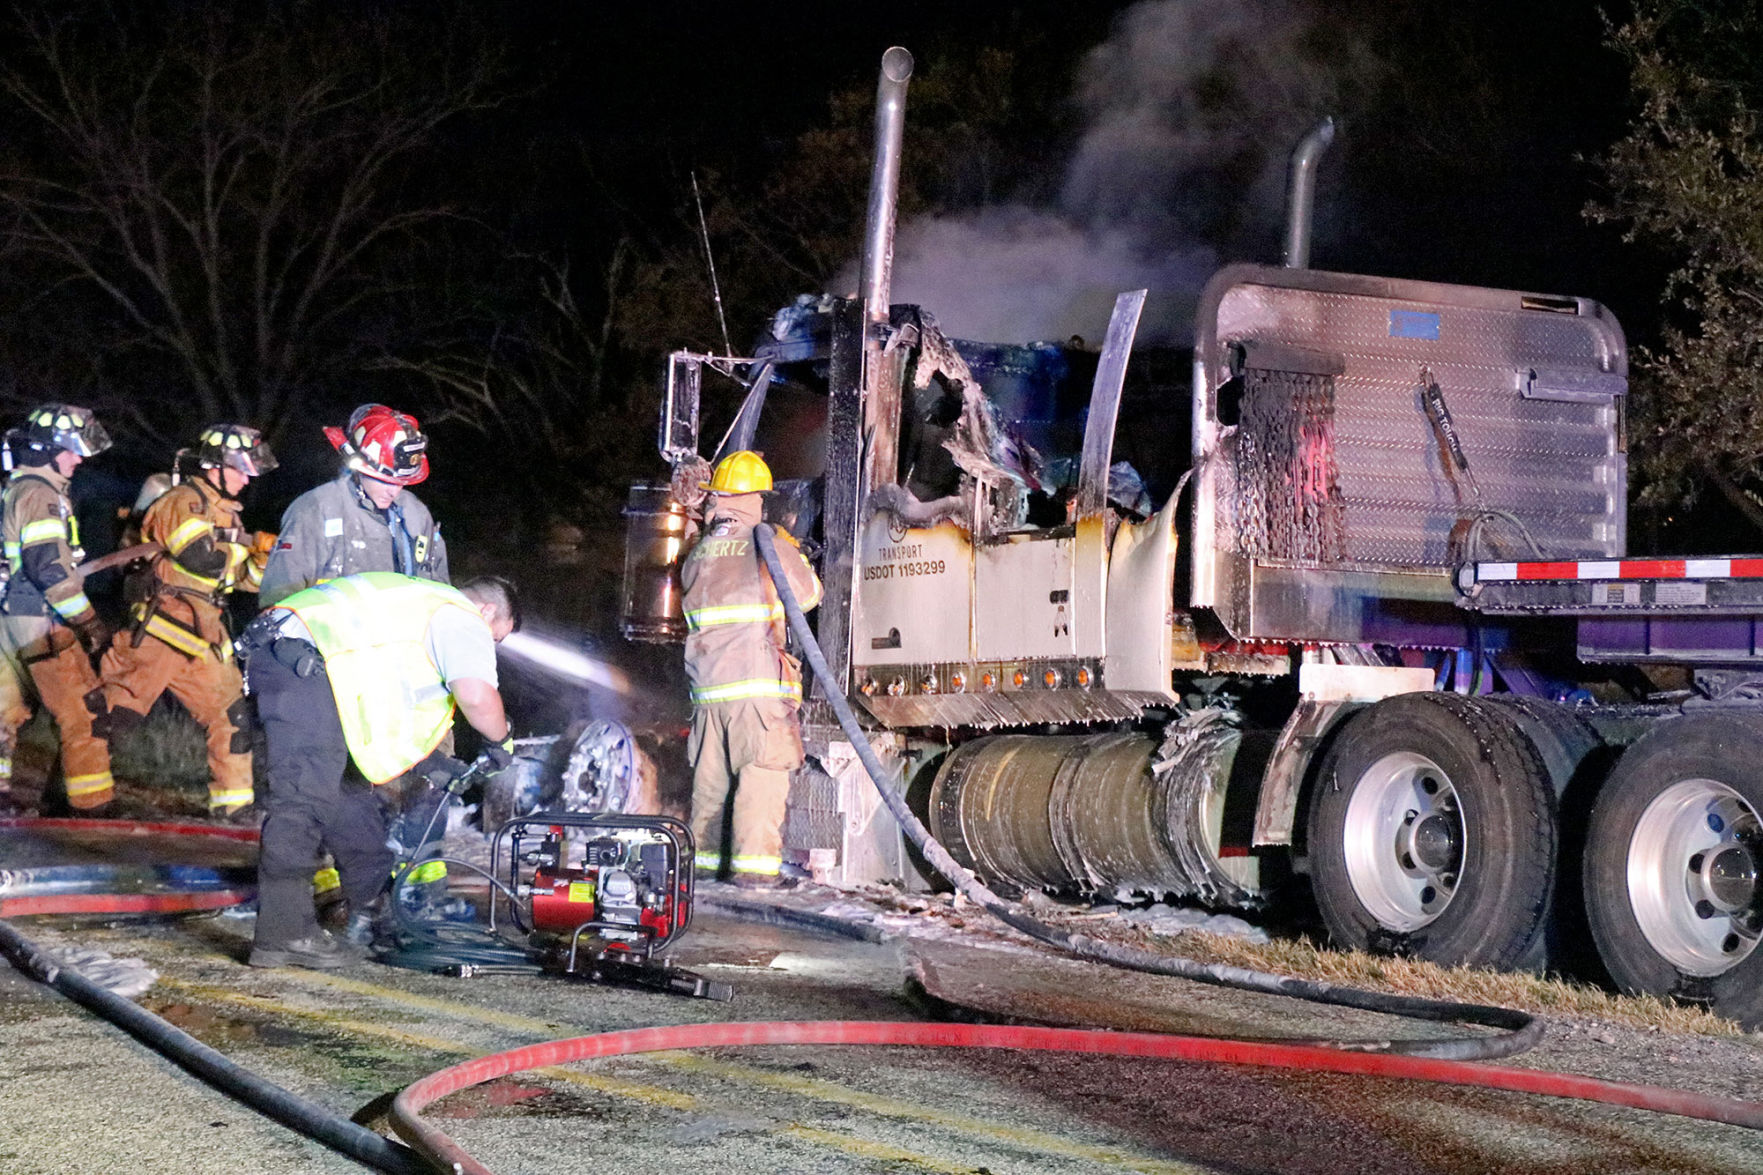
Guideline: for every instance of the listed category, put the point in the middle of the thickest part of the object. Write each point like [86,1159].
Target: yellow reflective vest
[370,628]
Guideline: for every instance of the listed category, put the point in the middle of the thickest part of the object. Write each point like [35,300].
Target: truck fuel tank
[1097,813]
[655,535]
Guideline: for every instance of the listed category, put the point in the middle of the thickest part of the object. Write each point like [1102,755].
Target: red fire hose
[447,1155]
[186,901]
[130,827]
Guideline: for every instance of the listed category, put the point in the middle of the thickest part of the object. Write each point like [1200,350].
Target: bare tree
[533,378]
[229,183]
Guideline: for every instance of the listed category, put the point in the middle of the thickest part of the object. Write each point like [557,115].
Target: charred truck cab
[1332,623]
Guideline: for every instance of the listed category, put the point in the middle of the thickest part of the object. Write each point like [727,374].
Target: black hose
[1520,1030]
[272,1101]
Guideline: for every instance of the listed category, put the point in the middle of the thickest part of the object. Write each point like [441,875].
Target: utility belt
[264,637]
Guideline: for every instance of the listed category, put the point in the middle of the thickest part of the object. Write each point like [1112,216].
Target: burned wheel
[1432,833]
[1672,865]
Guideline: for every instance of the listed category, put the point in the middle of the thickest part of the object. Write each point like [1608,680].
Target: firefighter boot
[370,929]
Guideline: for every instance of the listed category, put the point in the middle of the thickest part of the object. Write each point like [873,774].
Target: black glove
[496,756]
[443,771]
[94,634]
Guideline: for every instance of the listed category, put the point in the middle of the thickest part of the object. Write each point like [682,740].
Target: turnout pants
[417,825]
[207,686]
[315,799]
[748,747]
[63,677]
[15,711]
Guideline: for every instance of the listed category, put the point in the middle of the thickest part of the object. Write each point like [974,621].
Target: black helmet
[49,427]
[235,446]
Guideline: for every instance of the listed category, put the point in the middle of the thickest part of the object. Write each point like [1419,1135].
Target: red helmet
[383,444]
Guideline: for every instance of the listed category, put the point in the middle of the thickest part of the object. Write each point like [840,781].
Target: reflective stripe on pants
[63,677]
[748,748]
[207,686]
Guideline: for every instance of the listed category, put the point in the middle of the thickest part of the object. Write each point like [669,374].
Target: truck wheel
[1576,759]
[1672,860]
[1432,833]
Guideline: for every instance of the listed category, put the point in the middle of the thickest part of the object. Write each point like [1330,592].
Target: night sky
[1059,148]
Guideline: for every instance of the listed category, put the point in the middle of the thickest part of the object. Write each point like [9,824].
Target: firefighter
[180,641]
[367,519]
[361,672]
[746,689]
[49,629]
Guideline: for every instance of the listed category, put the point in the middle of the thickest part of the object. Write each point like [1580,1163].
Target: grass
[167,752]
[1544,995]
[164,758]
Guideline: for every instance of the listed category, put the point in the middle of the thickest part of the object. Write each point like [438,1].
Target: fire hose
[1441,1062]
[164,1038]
[81,889]
[447,1154]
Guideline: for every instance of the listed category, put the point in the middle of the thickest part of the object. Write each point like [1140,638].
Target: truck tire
[1671,865]
[1577,759]
[1432,833]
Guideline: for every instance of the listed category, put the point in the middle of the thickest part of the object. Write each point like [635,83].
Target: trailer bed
[1690,610]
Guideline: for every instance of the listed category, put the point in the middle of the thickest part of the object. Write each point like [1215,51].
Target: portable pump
[601,895]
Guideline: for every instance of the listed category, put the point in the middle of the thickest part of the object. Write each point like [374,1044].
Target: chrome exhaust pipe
[884,183]
[1301,192]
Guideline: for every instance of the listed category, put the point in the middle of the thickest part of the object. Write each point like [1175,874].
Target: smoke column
[1190,109]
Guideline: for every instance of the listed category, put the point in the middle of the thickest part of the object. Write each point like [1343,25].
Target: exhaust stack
[1301,192]
[884,183]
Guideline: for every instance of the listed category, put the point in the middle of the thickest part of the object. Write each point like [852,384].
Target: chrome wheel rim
[1692,876]
[1405,841]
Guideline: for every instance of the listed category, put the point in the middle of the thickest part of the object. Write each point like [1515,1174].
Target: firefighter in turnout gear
[366,519]
[356,681]
[180,640]
[746,738]
[49,629]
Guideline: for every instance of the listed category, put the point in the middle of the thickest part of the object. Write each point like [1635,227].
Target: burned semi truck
[1379,638]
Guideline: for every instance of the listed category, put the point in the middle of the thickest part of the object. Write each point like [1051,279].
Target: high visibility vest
[370,628]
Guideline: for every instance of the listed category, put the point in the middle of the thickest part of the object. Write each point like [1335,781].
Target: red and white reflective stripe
[1728,568]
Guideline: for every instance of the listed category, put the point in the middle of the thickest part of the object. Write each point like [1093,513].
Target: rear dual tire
[1672,861]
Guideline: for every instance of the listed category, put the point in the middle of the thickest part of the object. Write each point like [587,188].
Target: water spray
[565,662]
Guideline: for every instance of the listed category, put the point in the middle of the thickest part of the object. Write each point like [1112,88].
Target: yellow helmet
[744,472]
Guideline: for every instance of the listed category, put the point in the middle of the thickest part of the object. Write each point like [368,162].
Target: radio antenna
[710,260]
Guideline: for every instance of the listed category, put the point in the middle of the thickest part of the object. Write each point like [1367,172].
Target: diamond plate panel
[812,819]
[1555,465]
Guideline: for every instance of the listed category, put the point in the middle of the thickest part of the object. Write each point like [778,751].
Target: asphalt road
[77,1096]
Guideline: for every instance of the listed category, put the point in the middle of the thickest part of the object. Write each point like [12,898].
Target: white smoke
[1190,109]
[1016,274]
